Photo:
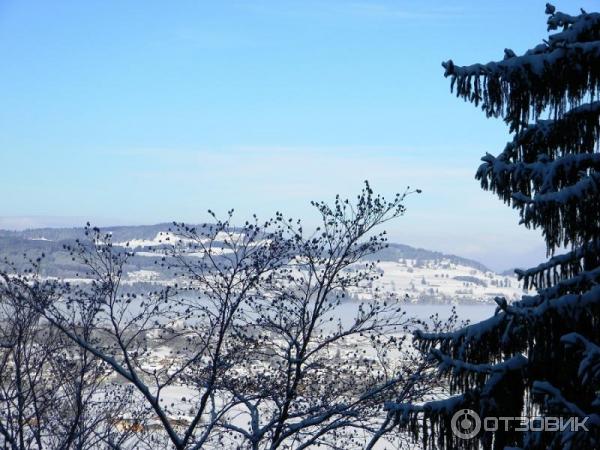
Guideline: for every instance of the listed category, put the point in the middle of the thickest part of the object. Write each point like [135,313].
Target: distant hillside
[426,276]
[395,252]
[50,241]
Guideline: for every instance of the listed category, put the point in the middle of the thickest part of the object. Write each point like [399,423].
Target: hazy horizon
[37,223]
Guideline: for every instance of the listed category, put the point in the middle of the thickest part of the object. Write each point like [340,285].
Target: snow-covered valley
[421,276]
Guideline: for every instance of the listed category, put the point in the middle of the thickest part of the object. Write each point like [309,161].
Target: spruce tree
[539,355]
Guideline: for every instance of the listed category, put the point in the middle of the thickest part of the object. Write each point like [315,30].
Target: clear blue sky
[131,112]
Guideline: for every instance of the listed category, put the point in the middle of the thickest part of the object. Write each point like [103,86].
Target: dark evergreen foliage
[539,355]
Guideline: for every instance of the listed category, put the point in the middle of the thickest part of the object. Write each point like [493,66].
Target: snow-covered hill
[444,281]
[425,276]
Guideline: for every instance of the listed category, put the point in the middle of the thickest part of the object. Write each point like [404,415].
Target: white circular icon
[465,424]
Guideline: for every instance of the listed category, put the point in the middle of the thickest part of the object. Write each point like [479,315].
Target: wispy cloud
[296,171]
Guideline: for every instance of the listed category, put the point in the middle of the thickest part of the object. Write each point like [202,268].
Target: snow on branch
[543,175]
[575,284]
[522,86]
[542,181]
[466,343]
[545,155]
[575,132]
[567,307]
[515,363]
[555,399]
[585,187]
[474,331]
[448,406]
[568,216]
[431,420]
[561,267]
[589,368]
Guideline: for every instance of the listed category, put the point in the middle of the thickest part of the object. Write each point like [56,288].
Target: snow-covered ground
[421,276]
[441,282]
[438,281]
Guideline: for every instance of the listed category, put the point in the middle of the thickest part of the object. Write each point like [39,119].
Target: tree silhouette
[540,354]
[242,345]
[50,387]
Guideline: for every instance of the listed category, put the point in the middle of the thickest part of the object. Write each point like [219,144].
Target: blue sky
[131,112]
